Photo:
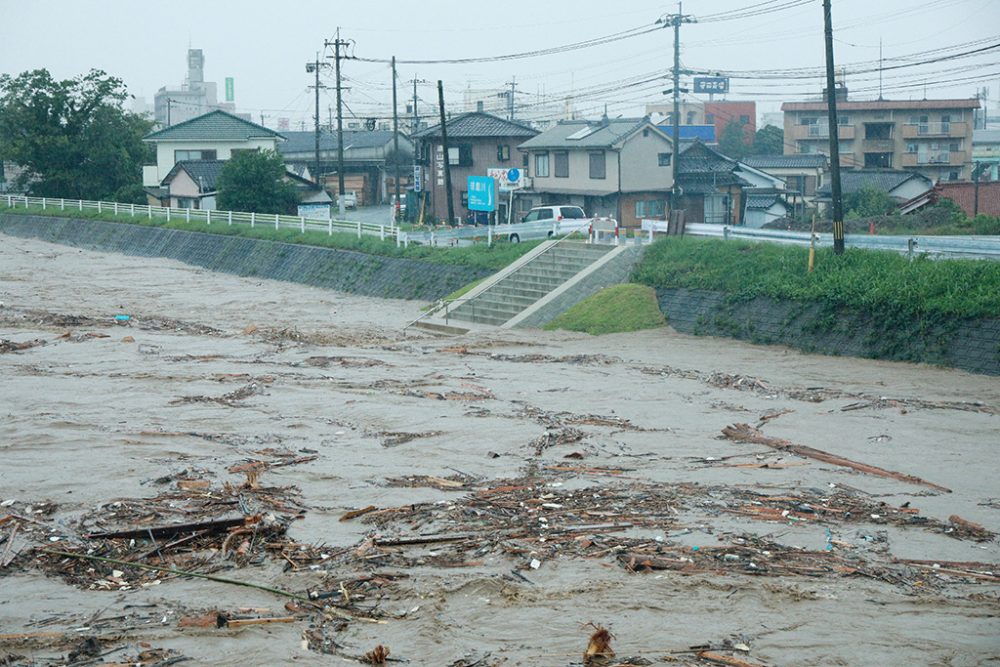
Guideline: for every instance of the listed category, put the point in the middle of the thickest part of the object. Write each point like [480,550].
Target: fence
[209,217]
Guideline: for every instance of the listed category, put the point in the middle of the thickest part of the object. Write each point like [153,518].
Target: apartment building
[932,137]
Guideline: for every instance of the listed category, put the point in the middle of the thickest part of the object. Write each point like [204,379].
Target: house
[215,135]
[763,208]
[713,184]
[986,150]
[368,160]
[715,114]
[477,141]
[932,137]
[191,184]
[618,167]
[801,174]
[902,186]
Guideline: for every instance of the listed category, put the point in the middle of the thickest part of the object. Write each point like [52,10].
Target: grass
[615,309]
[881,283]
[480,256]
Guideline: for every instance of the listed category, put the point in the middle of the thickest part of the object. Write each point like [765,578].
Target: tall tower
[196,69]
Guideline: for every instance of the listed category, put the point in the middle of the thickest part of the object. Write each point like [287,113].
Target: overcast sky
[264,46]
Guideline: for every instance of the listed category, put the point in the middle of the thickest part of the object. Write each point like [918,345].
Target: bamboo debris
[747,433]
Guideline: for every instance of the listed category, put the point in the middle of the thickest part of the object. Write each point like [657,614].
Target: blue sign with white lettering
[513,175]
[711,84]
[482,193]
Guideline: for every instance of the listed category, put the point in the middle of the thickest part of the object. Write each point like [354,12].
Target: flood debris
[377,656]
[599,651]
[232,399]
[747,433]
[12,346]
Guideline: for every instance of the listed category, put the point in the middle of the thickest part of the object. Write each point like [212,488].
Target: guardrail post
[433,239]
[116,208]
[329,226]
[168,214]
[62,204]
[911,246]
[9,202]
[43,203]
[725,232]
[149,211]
[98,206]
[275,220]
[302,223]
[253,217]
[132,210]
[80,203]
[359,229]
[187,215]
[381,232]
[229,216]
[208,216]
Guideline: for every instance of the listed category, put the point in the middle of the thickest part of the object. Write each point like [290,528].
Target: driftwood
[747,433]
[173,529]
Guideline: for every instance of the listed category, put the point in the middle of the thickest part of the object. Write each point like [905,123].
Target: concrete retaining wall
[970,344]
[342,270]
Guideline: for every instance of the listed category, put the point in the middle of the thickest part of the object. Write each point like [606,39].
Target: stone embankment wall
[342,270]
[969,344]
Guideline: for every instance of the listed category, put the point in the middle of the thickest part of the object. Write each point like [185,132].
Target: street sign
[417,180]
[711,84]
[507,178]
[230,92]
[482,193]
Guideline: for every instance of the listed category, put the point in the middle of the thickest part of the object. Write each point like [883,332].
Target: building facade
[932,137]
[192,98]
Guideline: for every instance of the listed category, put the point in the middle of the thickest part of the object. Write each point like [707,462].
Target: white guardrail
[210,217]
[957,247]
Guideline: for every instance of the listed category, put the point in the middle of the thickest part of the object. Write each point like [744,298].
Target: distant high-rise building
[193,98]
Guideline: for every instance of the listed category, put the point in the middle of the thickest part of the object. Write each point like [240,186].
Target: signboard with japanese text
[711,84]
[418,182]
[482,193]
[507,178]
[230,90]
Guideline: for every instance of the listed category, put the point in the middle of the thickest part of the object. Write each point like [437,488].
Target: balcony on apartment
[939,158]
[934,130]
[820,131]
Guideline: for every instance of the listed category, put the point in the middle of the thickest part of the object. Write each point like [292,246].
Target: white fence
[209,217]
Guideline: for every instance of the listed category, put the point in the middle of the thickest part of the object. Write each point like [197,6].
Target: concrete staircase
[529,283]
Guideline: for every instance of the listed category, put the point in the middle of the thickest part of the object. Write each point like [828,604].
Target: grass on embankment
[615,309]
[881,283]
[480,256]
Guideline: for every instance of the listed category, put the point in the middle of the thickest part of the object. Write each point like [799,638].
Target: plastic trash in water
[122,318]
[829,540]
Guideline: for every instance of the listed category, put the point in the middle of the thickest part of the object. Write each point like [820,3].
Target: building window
[503,152]
[562,164]
[808,120]
[911,148]
[952,175]
[878,160]
[542,165]
[186,202]
[663,159]
[460,156]
[954,147]
[690,117]
[180,156]
[878,130]
[653,208]
[843,120]
[236,151]
[598,165]
[710,119]
[744,120]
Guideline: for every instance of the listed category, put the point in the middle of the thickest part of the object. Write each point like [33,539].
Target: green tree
[769,140]
[868,202]
[254,181]
[732,143]
[72,137]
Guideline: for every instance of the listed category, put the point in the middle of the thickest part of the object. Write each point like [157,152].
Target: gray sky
[265,45]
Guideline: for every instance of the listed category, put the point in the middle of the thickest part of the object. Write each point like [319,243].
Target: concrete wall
[972,345]
[640,163]
[340,270]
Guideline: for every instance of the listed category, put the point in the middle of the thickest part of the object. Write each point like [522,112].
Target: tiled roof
[203,172]
[885,180]
[700,159]
[305,142]
[477,124]
[213,126]
[800,161]
[604,135]
[887,105]
[763,202]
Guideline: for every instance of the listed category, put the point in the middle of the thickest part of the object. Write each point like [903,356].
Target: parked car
[562,219]
[350,199]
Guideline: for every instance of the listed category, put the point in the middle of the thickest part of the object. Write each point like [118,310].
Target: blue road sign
[711,84]
[513,175]
[482,193]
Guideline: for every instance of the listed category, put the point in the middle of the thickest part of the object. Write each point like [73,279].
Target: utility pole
[262,117]
[313,67]
[395,133]
[337,43]
[510,97]
[447,160]
[831,104]
[169,102]
[676,20]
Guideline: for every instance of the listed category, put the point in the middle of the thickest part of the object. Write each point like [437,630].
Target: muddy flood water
[490,499]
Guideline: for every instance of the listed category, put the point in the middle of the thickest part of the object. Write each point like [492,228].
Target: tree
[769,140]
[732,143]
[254,181]
[868,202]
[72,137]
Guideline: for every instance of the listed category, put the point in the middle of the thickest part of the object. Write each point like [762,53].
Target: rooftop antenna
[880,68]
